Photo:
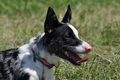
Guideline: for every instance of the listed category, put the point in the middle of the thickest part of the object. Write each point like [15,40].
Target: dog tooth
[66,53]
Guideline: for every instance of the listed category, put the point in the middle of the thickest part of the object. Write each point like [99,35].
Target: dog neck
[42,60]
[38,48]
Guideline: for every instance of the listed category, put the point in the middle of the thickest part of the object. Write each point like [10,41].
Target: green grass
[98,23]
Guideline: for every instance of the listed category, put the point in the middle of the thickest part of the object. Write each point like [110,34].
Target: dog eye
[68,36]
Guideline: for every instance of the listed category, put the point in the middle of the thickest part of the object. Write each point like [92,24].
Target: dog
[34,61]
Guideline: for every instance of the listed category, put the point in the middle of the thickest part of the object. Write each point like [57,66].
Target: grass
[98,23]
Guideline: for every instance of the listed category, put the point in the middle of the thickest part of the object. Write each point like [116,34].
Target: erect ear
[68,15]
[51,21]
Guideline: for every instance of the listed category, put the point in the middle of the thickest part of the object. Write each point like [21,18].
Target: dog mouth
[74,58]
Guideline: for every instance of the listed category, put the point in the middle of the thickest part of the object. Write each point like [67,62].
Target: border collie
[34,61]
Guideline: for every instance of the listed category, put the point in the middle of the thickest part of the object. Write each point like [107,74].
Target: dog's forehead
[74,30]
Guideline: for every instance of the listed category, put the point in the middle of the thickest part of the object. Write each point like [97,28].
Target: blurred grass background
[98,23]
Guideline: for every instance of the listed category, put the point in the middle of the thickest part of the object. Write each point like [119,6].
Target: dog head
[62,38]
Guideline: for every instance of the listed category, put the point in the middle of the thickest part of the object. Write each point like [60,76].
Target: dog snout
[88,48]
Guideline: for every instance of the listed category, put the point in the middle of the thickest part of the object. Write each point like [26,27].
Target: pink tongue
[83,60]
[77,59]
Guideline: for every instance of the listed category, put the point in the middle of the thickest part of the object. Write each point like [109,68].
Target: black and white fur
[53,44]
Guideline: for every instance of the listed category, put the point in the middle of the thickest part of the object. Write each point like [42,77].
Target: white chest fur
[36,70]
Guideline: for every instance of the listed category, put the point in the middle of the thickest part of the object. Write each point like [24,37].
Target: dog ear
[51,21]
[68,15]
